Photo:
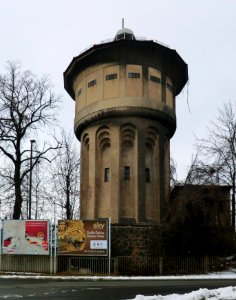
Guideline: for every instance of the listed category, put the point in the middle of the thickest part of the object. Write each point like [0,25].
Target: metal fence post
[109,228]
[206,264]
[55,249]
[51,261]
[160,265]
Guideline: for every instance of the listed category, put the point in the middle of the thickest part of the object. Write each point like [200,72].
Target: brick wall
[134,240]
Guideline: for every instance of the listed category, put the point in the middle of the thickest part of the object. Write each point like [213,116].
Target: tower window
[79,92]
[106,174]
[92,83]
[169,87]
[147,175]
[111,76]
[127,173]
[133,75]
[155,79]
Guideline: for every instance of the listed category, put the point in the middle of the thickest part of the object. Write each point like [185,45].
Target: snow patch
[228,293]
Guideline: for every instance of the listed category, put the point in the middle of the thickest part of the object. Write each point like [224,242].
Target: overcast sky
[44,35]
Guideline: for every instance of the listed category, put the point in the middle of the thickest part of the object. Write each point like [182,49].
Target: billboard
[83,237]
[25,237]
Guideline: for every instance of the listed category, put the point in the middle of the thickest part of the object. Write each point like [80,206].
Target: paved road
[38,289]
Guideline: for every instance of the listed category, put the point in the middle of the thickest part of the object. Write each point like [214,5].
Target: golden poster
[83,237]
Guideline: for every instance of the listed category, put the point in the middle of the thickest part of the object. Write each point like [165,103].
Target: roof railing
[113,39]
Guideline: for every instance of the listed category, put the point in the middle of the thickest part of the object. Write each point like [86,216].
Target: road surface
[38,289]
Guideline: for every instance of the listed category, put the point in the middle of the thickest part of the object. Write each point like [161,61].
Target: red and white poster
[25,237]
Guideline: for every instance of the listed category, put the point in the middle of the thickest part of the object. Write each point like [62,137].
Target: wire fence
[123,265]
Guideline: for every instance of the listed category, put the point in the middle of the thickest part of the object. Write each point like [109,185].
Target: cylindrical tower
[124,92]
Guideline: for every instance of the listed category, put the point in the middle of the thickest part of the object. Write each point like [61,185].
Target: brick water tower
[124,92]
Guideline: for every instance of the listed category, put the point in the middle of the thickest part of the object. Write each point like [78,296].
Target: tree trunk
[233,207]
[68,207]
[18,195]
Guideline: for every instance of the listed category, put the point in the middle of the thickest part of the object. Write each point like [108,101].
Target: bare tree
[200,172]
[173,172]
[27,104]
[65,178]
[215,161]
[40,178]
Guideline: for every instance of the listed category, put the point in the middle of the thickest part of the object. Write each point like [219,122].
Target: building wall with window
[109,85]
[124,93]
[122,157]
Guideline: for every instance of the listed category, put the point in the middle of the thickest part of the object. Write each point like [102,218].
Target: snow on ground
[230,274]
[202,294]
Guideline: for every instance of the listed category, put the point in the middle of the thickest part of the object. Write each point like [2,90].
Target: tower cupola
[124,33]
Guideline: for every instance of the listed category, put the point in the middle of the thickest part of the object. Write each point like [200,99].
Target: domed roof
[124,34]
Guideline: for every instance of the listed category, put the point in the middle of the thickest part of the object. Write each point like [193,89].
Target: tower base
[135,240]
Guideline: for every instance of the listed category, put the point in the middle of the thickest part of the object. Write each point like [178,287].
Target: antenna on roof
[124,33]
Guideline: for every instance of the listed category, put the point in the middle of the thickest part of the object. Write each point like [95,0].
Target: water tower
[124,92]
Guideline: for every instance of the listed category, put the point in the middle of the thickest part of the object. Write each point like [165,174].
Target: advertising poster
[78,237]
[25,237]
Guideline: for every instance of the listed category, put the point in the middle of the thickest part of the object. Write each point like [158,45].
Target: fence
[85,265]
[172,265]
[125,265]
[26,263]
